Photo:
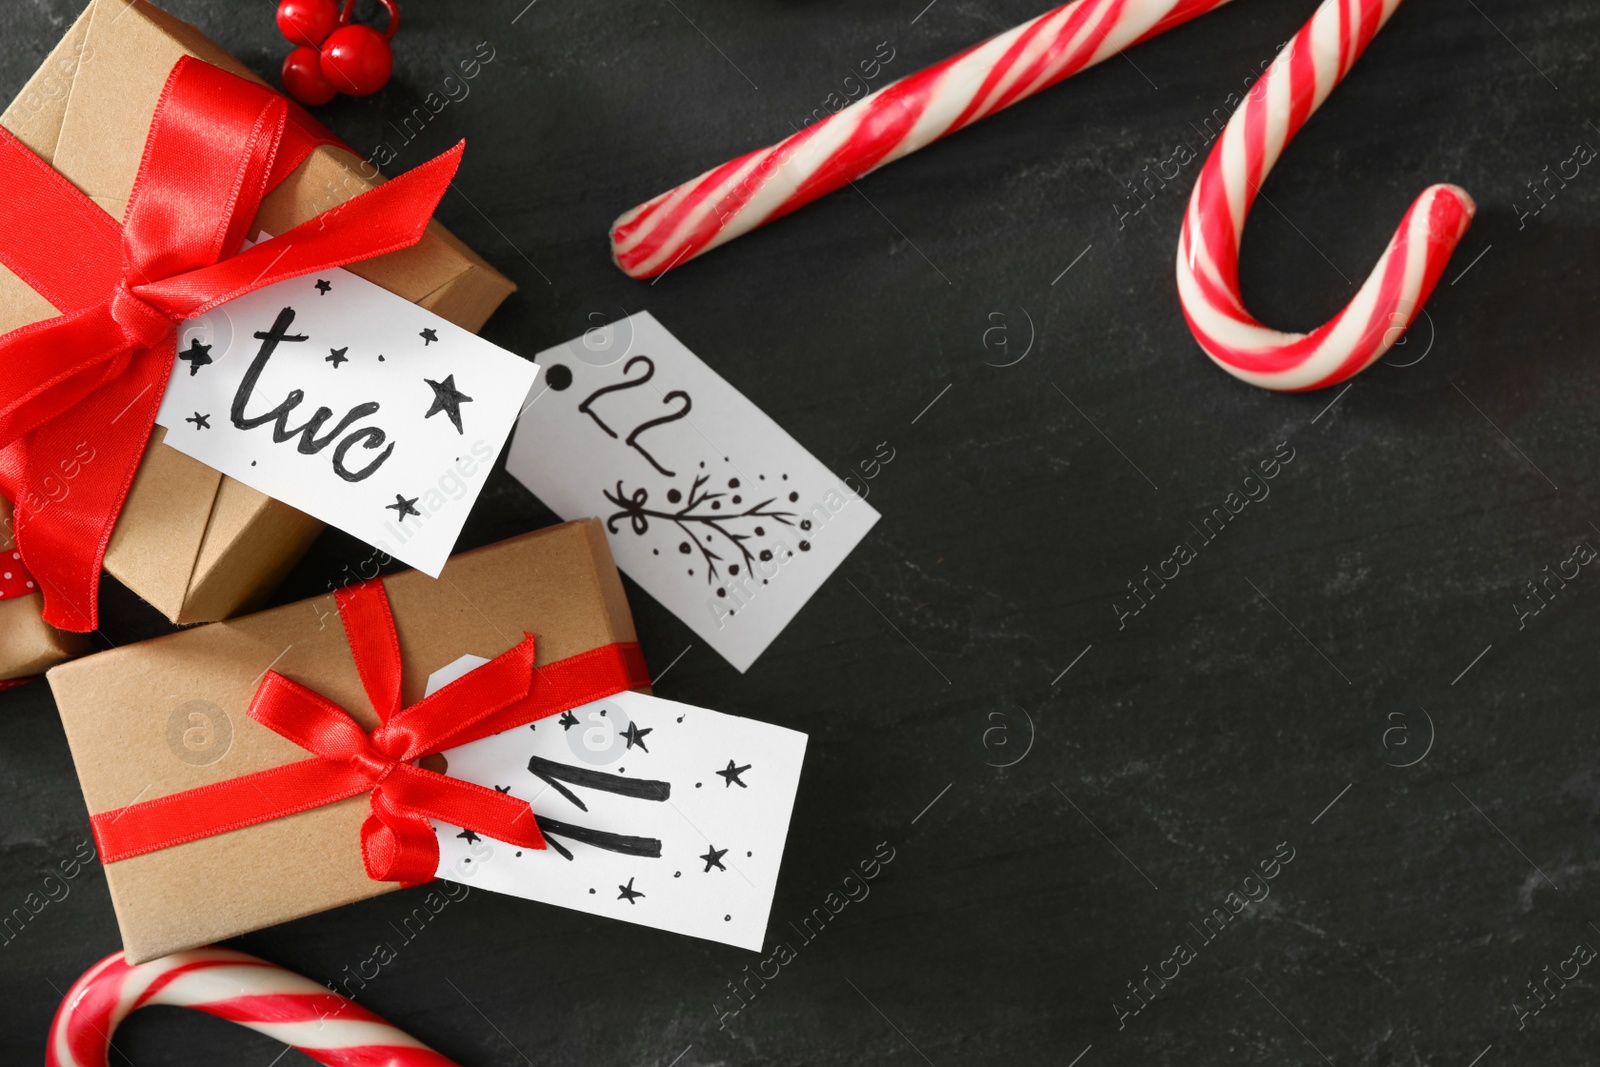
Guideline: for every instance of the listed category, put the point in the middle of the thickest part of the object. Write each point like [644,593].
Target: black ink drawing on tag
[635,736]
[554,774]
[586,406]
[196,355]
[448,399]
[707,526]
[633,438]
[370,437]
[623,844]
[404,506]
[559,376]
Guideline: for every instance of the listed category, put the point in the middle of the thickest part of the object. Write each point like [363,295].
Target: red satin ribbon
[96,373]
[15,580]
[397,841]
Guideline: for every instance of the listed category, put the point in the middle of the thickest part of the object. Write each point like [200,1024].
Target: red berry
[303,78]
[357,60]
[308,22]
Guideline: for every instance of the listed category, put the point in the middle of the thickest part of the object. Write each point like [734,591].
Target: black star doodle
[713,858]
[196,355]
[403,507]
[732,775]
[337,356]
[201,422]
[502,789]
[448,399]
[323,285]
[567,721]
[635,735]
[428,336]
[469,837]
[628,892]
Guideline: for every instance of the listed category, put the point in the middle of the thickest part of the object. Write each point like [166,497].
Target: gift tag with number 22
[707,502]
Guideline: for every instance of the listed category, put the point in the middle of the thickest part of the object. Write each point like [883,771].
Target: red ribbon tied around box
[97,372]
[398,844]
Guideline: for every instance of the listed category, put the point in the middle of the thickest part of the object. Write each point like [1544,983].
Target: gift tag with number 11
[653,812]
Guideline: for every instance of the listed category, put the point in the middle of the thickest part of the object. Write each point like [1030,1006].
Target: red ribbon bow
[97,372]
[398,843]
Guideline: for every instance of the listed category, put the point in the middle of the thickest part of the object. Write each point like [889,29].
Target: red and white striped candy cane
[1296,84]
[898,119]
[230,985]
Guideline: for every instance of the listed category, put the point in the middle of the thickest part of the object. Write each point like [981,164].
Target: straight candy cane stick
[898,119]
[1296,84]
[230,985]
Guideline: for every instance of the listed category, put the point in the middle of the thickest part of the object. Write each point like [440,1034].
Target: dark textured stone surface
[1223,720]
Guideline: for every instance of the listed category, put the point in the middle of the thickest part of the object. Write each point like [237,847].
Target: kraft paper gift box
[28,644]
[197,545]
[153,719]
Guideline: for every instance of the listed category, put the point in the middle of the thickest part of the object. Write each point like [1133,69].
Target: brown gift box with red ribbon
[196,545]
[148,722]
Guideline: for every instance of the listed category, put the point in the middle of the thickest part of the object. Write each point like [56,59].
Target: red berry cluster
[333,54]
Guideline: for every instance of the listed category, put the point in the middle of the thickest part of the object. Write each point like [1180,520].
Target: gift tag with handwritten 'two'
[708,504]
[350,403]
[653,812]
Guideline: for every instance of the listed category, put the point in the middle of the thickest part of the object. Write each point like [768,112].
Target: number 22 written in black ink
[632,440]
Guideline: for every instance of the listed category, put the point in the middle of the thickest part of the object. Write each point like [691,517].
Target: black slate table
[1343,676]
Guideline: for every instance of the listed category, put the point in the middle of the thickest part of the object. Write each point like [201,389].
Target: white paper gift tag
[654,812]
[708,503]
[350,403]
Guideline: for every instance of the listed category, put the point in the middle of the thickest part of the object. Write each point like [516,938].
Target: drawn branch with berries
[701,513]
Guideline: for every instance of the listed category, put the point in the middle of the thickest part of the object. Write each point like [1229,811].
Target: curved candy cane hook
[1296,84]
[230,985]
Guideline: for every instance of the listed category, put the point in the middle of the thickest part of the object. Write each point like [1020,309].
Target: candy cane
[1297,83]
[898,119]
[230,985]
